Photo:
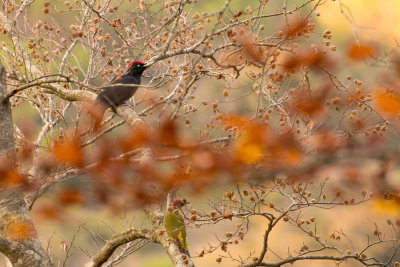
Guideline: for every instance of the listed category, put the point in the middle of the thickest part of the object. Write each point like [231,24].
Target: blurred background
[375,22]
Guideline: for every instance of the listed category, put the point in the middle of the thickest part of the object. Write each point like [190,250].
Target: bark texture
[6,125]
[18,238]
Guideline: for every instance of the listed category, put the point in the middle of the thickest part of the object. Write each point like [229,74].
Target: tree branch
[319,257]
[155,235]
[120,239]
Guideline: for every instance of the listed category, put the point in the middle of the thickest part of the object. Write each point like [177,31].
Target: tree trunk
[18,237]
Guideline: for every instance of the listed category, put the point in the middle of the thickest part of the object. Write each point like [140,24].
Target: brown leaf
[201,254]
[228,215]
[310,105]
[253,52]
[224,247]
[64,246]
[298,28]
[303,58]
[238,14]
[167,134]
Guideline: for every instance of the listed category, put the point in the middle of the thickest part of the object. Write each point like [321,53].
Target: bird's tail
[183,245]
[183,250]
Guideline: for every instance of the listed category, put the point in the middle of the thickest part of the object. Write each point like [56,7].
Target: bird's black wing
[114,96]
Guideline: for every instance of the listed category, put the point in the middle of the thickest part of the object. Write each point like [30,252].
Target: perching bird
[174,224]
[114,96]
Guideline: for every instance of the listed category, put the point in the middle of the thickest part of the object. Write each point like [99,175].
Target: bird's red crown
[179,203]
[133,63]
[175,203]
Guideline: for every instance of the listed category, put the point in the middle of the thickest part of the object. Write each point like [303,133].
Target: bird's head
[179,203]
[136,67]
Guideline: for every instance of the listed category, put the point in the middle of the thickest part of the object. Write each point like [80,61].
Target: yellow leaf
[249,146]
[249,153]
[390,207]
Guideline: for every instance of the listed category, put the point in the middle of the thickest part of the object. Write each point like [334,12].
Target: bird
[174,224]
[114,95]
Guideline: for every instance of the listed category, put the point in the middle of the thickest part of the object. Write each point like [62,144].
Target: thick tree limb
[120,239]
[19,242]
[7,149]
[155,235]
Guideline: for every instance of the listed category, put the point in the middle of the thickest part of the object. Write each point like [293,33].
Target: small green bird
[175,225]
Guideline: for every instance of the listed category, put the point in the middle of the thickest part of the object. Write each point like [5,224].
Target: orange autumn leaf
[256,143]
[248,153]
[249,146]
[70,196]
[235,121]
[11,178]
[388,101]
[290,156]
[360,51]
[69,152]
[48,212]
[203,159]
[19,230]
[282,150]
[135,139]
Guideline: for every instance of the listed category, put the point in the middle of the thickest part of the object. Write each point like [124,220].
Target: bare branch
[120,239]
